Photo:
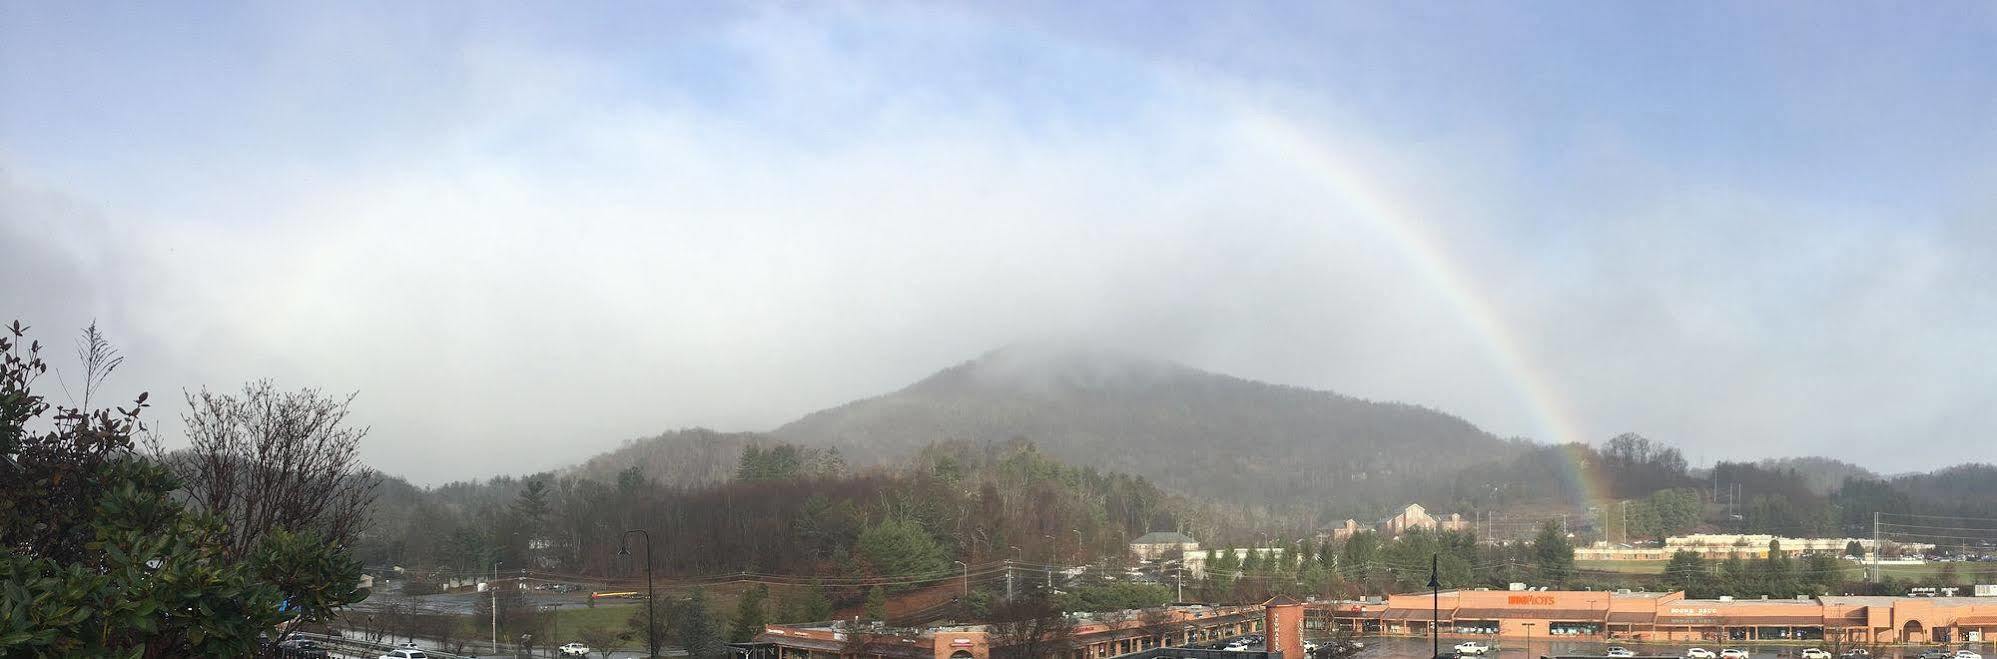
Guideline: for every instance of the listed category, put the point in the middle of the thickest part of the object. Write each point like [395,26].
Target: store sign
[960,642]
[1530,600]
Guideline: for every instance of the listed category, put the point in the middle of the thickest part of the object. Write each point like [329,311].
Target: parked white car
[1699,653]
[1236,646]
[1967,654]
[575,650]
[1816,653]
[404,654]
[1618,651]
[1734,653]
[1472,647]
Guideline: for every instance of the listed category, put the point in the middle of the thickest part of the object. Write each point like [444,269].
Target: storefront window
[1573,629]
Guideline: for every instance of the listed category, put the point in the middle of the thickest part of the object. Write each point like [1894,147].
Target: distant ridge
[1189,430]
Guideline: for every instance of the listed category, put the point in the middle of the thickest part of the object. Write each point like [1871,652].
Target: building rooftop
[1888,600]
[1757,601]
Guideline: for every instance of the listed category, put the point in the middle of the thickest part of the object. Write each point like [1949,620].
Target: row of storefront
[1089,637]
[1666,617]
[1474,613]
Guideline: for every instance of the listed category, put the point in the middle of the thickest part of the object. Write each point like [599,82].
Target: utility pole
[1047,566]
[1179,570]
[1876,547]
[1733,500]
[1626,521]
[495,606]
[967,578]
[556,634]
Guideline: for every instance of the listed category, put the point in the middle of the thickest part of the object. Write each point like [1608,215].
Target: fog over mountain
[524,235]
[1186,429]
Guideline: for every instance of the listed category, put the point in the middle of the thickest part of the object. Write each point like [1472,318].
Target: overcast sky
[1748,229]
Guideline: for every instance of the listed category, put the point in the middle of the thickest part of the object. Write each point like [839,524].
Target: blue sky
[1705,223]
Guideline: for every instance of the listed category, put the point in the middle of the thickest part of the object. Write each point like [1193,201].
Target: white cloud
[552,249]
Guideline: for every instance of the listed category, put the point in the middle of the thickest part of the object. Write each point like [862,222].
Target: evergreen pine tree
[698,631]
[877,604]
[749,615]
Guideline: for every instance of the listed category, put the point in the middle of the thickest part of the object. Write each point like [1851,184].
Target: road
[467,602]
[350,648]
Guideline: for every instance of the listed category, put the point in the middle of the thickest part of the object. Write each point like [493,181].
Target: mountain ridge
[1191,430]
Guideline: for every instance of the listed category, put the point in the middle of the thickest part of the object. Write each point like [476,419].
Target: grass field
[1625,567]
[576,618]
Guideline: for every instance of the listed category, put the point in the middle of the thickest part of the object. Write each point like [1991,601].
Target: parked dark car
[299,648]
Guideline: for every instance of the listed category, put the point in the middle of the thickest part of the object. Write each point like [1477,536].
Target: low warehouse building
[1670,617]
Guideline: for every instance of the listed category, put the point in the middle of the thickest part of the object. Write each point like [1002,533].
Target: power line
[1940,528]
[1992,520]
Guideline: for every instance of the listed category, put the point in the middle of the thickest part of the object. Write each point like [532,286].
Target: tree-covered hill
[1191,431]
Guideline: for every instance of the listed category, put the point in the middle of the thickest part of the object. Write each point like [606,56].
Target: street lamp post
[1435,605]
[1528,638]
[967,578]
[651,618]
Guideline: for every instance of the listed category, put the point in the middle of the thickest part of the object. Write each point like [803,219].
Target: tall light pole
[1079,554]
[1528,638]
[651,618]
[1435,605]
[967,578]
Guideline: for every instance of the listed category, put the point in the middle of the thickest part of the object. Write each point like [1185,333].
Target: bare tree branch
[276,460]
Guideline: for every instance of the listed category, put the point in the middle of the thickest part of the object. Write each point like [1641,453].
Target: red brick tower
[1283,626]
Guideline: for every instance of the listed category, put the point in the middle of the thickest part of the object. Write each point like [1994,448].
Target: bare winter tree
[1157,624]
[269,459]
[1029,629]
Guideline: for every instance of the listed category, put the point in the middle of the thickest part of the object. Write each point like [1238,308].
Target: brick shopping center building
[1670,616]
[1578,615]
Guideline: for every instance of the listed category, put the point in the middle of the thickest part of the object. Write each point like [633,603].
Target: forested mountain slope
[1190,431]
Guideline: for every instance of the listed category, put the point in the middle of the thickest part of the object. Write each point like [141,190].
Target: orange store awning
[1424,615]
[1976,621]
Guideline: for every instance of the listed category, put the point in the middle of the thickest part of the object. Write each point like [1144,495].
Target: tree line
[109,548]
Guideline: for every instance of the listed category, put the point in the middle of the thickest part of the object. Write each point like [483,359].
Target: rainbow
[1348,183]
